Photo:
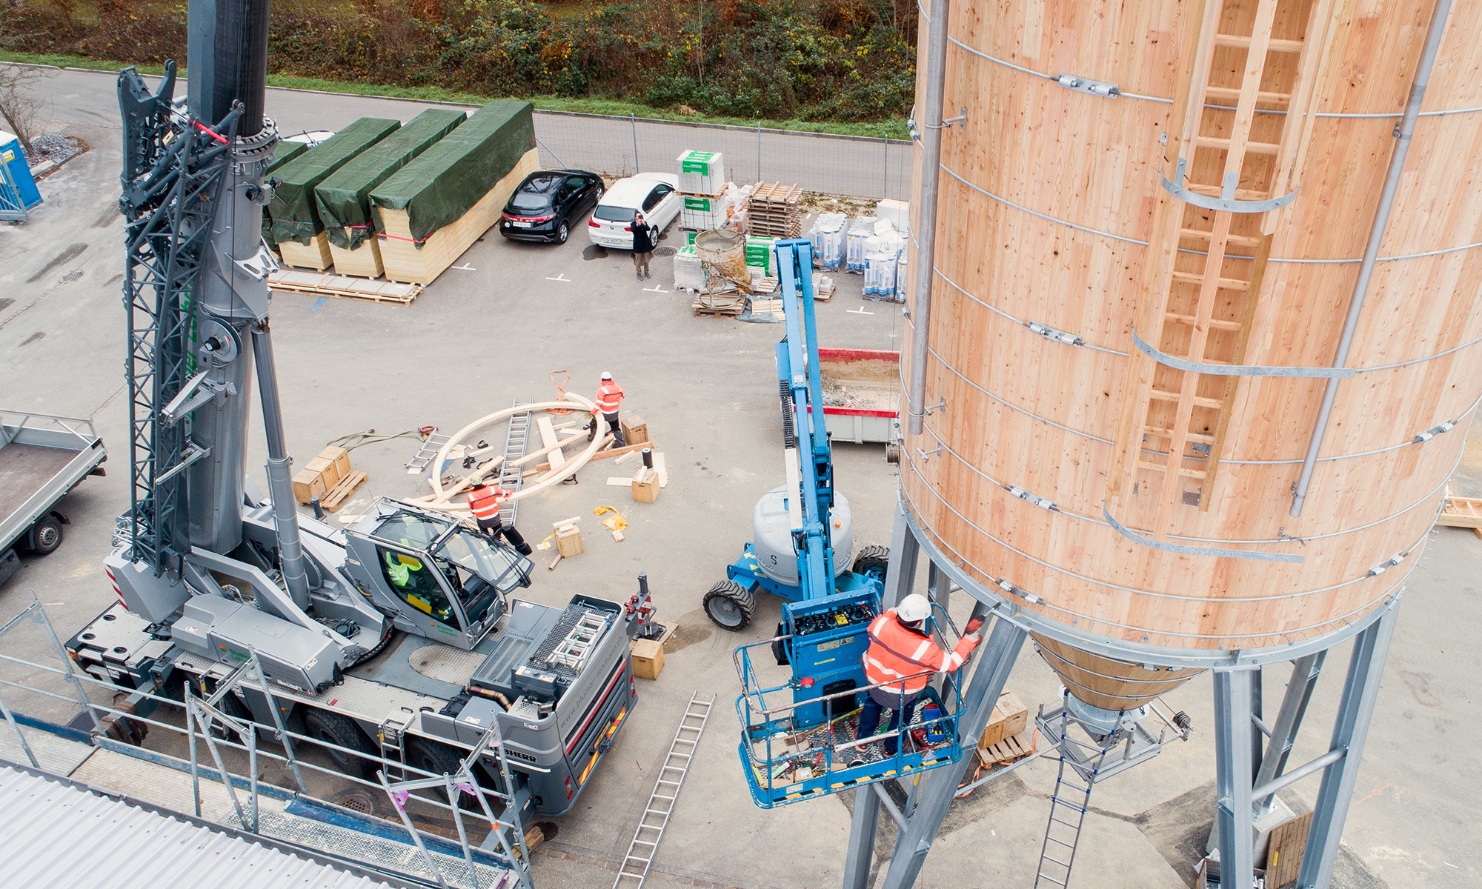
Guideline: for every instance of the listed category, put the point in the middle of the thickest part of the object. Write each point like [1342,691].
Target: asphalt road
[867,168]
[492,331]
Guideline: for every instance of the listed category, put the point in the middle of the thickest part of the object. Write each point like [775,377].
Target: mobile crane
[393,639]
[799,733]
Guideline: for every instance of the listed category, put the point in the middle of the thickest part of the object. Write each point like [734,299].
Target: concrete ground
[481,337]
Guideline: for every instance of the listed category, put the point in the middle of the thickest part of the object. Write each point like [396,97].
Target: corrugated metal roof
[53,833]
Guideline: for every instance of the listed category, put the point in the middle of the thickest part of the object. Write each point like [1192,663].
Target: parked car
[655,193]
[548,203]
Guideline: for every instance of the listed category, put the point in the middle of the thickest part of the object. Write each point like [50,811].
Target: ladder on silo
[1241,126]
[660,804]
[1068,805]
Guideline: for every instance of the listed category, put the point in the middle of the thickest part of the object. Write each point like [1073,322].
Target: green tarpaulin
[343,199]
[283,152]
[450,177]
[292,208]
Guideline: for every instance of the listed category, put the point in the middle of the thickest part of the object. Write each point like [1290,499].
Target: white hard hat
[914,608]
[606,375]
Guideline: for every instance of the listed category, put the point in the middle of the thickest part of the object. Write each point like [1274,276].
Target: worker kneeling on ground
[900,660]
[483,502]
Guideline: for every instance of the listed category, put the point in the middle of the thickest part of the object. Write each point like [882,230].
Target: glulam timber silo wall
[1150,357]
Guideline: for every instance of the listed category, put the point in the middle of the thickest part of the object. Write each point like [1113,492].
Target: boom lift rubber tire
[45,536]
[439,759]
[779,647]
[343,732]
[872,560]
[729,605]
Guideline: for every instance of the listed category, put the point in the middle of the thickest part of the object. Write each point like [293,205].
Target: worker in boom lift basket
[483,502]
[609,399]
[899,662]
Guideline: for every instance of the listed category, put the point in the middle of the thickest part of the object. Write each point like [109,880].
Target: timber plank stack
[774,210]
[295,224]
[343,287]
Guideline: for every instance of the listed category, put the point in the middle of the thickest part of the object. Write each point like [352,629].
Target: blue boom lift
[799,729]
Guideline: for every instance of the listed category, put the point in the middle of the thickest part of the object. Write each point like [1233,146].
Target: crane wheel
[730,605]
[872,560]
[341,731]
[440,759]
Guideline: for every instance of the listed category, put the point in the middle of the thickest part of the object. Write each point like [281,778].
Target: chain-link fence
[842,165]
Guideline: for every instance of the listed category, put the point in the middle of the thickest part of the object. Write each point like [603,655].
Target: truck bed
[26,469]
[41,459]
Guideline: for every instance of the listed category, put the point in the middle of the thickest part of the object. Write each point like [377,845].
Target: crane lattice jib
[173,168]
[802,389]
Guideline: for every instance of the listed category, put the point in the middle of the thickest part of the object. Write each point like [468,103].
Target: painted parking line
[859,311]
[657,288]
[561,277]
[464,268]
[319,303]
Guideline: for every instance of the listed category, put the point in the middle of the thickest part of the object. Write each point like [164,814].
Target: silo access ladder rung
[666,790]
[1068,806]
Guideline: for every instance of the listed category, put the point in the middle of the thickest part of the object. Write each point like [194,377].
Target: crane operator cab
[438,577]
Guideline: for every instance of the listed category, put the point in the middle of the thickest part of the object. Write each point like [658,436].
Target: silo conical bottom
[1107,683]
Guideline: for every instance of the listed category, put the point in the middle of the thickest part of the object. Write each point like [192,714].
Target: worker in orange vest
[483,502]
[900,660]
[609,398]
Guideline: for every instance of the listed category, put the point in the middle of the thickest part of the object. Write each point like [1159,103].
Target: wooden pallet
[1462,512]
[1008,750]
[773,211]
[335,497]
[823,294]
[343,287]
[731,304]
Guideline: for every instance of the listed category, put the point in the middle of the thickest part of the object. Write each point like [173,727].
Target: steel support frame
[1234,757]
[919,825]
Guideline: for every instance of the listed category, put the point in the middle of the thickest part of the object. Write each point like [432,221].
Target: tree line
[835,60]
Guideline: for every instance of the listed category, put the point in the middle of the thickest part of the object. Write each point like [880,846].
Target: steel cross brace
[920,825]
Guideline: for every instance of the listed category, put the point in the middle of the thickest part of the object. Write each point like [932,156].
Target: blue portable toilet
[18,172]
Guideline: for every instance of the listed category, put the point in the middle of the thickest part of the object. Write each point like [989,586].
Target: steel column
[900,575]
[1234,759]
[1299,688]
[940,786]
[861,854]
[1350,730]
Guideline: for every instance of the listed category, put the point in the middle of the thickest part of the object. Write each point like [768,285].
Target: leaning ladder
[511,477]
[666,790]
[1068,806]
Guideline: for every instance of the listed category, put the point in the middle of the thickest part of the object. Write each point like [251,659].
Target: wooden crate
[1461,512]
[1287,846]
[401,259]
[313,255]
[568,541]
[648,658]
[308,484]
[362,262]
[646,486]
[635,429]
[1009,718]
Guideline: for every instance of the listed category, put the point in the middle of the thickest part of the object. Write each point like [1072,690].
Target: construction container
[1130,351]
[702,173]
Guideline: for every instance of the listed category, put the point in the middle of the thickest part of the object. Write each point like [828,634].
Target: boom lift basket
[788,758]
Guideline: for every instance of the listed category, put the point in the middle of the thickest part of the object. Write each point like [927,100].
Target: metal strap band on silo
[1226,202]
[1238,370]
[1216,552]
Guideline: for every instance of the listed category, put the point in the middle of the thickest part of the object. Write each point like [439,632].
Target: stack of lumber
[774,210]
[343,287]
[439,204]
[343,199]
[1462,512]
[730,304]
[296,227]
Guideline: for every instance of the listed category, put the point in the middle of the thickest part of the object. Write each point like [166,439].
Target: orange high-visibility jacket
[609,396]
[904,659]
[483,501]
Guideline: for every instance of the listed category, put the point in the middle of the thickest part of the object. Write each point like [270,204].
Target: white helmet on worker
[914,609]
[606,375]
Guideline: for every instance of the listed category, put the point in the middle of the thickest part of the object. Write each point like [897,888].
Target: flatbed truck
[42,457]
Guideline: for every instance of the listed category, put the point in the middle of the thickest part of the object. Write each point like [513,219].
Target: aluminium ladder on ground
[511,476]
[666,790]
[1068,805]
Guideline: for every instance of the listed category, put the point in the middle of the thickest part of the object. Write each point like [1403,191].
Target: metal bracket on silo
[1041,502]
[1089,86]
[1051,333]
[1434,431]
[1019,592]
[1226,201]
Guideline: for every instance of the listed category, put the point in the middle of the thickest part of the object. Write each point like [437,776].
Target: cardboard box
[648,658]
[568,541]
[646,486]
[1009,718]
[635,429]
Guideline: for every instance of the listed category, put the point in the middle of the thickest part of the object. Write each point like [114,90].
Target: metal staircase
[1068,806]
[1240,126]
[666,790]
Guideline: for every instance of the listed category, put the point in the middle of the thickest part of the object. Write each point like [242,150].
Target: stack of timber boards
[774,210]
[345,286]
[295,219]
[343,200]
[438,205]
[283,152]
